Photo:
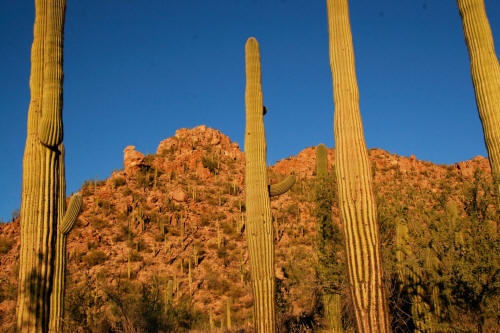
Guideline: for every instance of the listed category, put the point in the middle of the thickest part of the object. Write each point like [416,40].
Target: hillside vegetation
[160,245]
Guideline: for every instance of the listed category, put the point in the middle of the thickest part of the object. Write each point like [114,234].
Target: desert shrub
[5,244]
[169,151]
[211,164]
[227,228]
[171,206]
[8,291]
[119,181]
[454,249]
[91,245]
[95,257]
[106,207]
[231,189]
[98,223]
[144,177]
[205,220]
[139,244]
[126,191]
[135,256]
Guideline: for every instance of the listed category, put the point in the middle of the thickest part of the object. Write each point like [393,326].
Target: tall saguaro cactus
[259,220]
[485,72]
[43,190]
[355,190]
[260,237]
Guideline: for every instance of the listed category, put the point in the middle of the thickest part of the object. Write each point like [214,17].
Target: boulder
[178,195]
[133,160]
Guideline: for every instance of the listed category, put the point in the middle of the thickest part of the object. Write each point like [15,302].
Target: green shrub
[98,223]
[135,256]
[5,244]
[119,181]
[95,257]
[211,164]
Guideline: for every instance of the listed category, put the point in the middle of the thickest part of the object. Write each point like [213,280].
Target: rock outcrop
[132,160]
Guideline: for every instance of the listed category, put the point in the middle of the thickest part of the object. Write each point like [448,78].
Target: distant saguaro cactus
[43,192]
[485,72]
[328,243]
[259,230]
[356,200]
[415,281]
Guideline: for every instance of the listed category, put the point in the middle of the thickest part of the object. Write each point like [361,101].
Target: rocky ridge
[179,215]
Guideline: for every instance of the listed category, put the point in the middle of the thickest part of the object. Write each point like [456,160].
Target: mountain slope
[179,215]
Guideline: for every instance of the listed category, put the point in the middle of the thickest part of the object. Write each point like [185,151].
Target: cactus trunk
[259,225]
[485,72]
[356,199]
[43,190]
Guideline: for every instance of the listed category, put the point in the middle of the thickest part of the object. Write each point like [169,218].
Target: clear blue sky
[135,71]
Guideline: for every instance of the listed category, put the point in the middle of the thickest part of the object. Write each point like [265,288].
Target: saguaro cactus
[259,220]
[328,243]
[259,231]
[43,190]
[64,227]
[485,72]
[415,281]
[356,199]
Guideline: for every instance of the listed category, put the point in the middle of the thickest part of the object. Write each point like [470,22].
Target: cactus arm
[485,72]
[356,199]
[259,231]
[50,130]
[75,204]
[281,187]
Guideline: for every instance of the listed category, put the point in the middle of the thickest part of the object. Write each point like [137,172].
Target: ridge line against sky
[136,71]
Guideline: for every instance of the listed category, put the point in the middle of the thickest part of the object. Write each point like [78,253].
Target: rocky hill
[179,215]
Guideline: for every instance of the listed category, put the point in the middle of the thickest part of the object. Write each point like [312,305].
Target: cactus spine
[485,72]
[356,199]
[43,191]
[259,225]
[328,243]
